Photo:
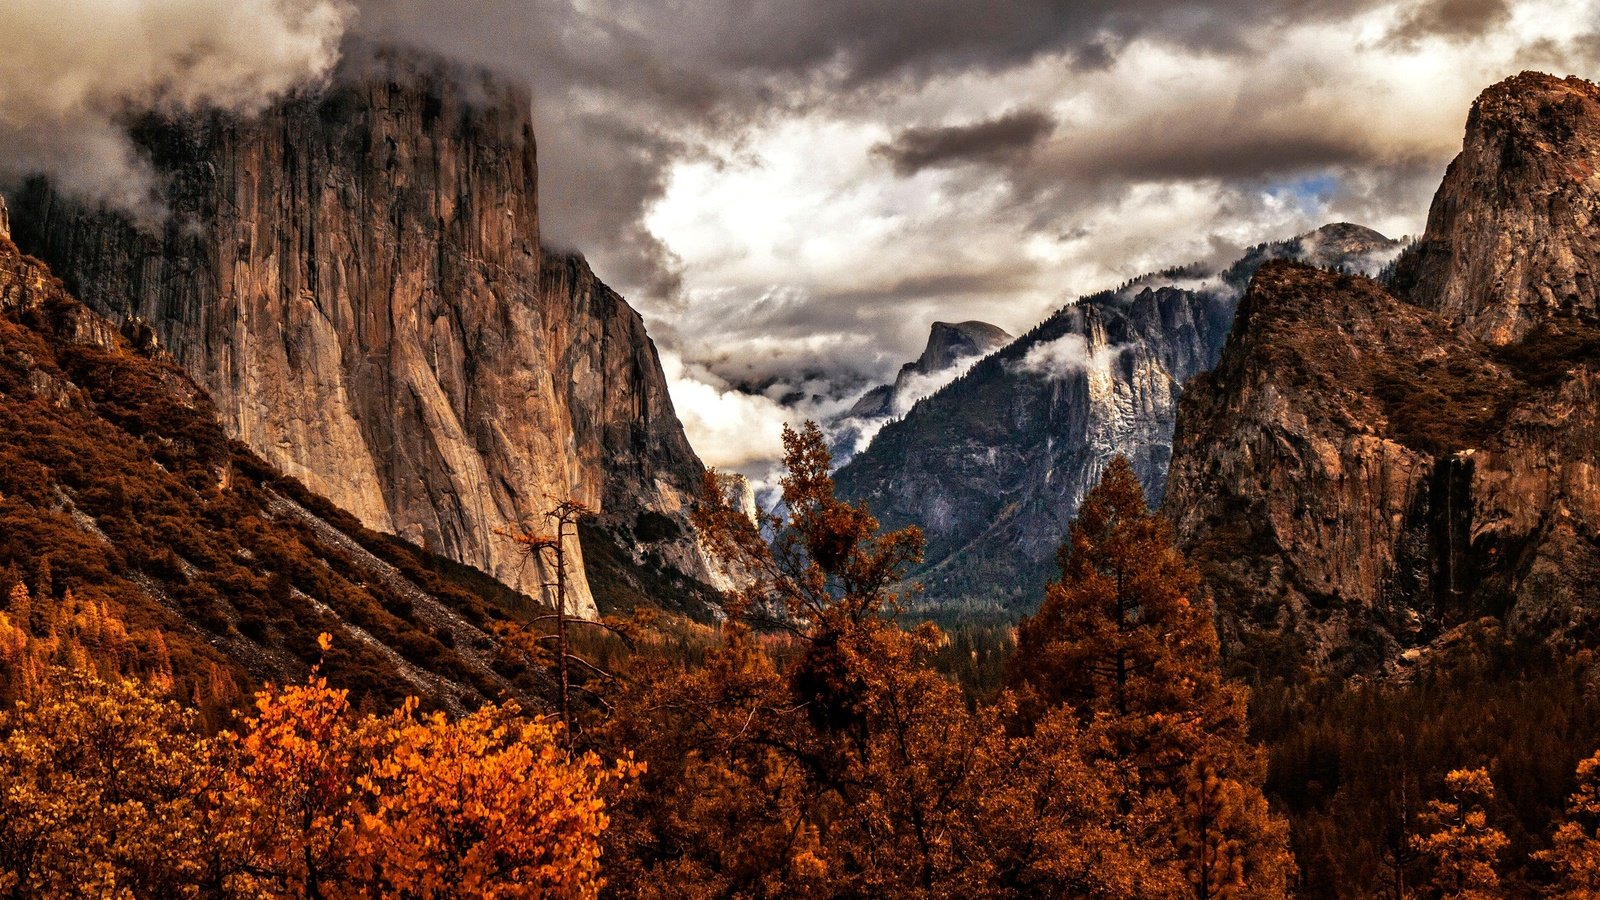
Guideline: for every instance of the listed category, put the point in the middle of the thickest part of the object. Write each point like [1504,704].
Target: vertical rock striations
[122,497]
[1362,474]
[356,278]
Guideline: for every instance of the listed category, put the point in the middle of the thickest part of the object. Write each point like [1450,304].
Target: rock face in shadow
[356,278]
[1513,236]
[1362,473]
[994,465]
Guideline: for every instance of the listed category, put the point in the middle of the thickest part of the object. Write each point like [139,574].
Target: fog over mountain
[792,193]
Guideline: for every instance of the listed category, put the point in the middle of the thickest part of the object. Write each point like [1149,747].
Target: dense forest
[810,742]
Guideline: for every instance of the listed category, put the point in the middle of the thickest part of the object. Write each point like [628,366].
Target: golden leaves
[110,791]
[1458,840]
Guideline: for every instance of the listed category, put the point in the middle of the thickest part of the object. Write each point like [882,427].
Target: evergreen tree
[853,769]
[1575,854]
[1123,641]
[1458,840]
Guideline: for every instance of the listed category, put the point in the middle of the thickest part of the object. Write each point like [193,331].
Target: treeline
[812,745]
[1354,766]
[839,762]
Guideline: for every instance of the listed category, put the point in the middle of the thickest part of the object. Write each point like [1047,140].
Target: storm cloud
[792,192]
[72,71]
[997,139]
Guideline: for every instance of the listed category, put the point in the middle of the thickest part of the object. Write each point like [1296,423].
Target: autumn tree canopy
[819,752]
[109,789]
[1125,644]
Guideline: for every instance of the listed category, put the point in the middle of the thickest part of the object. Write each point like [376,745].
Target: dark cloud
[1247,153]
[624,89]
[1452,19]
[1002,138]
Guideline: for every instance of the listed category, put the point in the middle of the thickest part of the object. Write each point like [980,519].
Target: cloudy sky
[793,191]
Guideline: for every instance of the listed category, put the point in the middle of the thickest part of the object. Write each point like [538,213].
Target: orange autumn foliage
[842,764]
[109,788]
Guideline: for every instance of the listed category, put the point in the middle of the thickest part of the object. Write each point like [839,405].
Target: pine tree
[1575,854]
[854,769]
[1458,841]
[1121,637]
[1123,641]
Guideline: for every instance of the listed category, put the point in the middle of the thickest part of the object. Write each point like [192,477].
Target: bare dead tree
[551,549]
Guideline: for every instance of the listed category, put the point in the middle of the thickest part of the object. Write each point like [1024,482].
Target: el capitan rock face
[119,488]
[356,278]
[1361,473]
[1513,236]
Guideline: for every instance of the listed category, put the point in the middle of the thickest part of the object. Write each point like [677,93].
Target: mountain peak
[1526,92]
[1349,232]
[1504,250]
[949,342]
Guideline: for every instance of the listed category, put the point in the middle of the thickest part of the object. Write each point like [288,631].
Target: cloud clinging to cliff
[71,71]
[794,191]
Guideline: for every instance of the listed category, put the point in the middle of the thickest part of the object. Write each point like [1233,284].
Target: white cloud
[70,71]
[729,429]
[1173,153]
[1066,356]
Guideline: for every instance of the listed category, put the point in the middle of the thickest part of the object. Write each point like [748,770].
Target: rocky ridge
[949,344]
[1513,235]
[1364,473]
[994,465]
[120,489]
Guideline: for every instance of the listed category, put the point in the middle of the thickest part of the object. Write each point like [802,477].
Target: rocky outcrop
[1357,477]
[1361,474]
[356,278]
[993,466]
[1513,236]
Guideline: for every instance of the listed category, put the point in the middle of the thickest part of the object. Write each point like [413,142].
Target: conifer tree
[853,769]
[1458,840]
[1121,636]
[1575,854]
[1123,641]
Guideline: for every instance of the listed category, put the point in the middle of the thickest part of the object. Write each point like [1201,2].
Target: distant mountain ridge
[993,466]
[948,344]
[951,347]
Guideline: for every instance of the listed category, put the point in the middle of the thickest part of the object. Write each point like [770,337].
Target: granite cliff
[1364,473]
[122,499]
[1513,236]
[994,465]
[356,278]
